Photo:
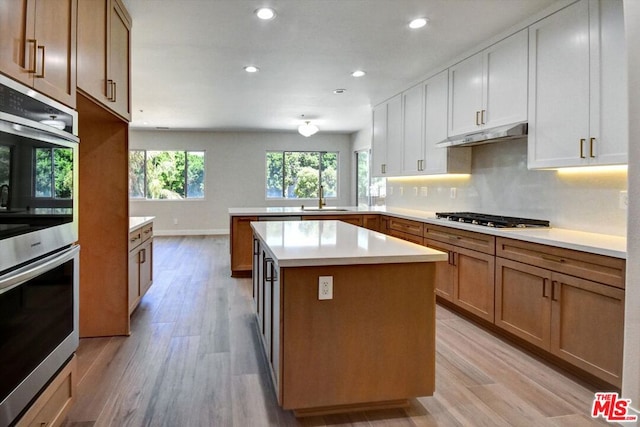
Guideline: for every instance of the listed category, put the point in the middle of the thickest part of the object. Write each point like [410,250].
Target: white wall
[234,177]
[631,371]
[500,183]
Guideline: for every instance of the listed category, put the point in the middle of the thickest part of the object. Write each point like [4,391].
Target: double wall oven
[39,256]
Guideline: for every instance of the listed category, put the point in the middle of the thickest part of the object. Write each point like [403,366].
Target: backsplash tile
[500,183]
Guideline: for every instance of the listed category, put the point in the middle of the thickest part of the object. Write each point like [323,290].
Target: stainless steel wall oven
[39,256]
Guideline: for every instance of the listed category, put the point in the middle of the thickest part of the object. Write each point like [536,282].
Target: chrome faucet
[321,201]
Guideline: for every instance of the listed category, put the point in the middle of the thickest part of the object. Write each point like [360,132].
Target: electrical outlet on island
[325,287]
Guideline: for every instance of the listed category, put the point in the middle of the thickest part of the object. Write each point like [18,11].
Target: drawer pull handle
[552,258]
[582,140]
[544,288]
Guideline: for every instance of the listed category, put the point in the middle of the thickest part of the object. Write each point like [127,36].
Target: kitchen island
[346,315]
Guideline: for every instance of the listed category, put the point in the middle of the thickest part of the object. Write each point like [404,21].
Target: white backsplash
[500,183]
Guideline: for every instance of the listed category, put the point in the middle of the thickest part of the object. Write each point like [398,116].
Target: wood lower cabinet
[51,407]
[467,279]
[405,229]
[577,319]
[38,45]
[241,245]
[104,53]
[140,264]
[371,222]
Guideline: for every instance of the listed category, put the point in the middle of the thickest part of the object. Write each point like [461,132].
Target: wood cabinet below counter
[140,263]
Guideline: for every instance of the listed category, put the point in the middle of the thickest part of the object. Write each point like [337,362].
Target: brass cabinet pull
[32,69]
[553,290]
[142,256]
[482,116]
[383,168]
[477,118]
[552,258]
[544,287]
[115,92]
[41,75]
[591,143]
[582,140]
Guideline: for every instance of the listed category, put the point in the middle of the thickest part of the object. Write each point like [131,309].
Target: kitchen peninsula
[346,315]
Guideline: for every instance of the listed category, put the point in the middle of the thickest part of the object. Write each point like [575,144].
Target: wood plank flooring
[194,359]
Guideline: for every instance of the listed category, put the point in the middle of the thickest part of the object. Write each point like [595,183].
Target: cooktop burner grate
[492,220]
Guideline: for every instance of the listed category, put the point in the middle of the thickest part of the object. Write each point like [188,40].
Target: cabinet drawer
[135,239]
[406,236]
[147,232]
[55,401]
[599,268]
[465,239]
[406,226]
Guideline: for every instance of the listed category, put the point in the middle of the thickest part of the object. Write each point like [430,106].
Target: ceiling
[188,57]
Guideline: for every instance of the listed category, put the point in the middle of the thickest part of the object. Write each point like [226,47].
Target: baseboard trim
[209,232]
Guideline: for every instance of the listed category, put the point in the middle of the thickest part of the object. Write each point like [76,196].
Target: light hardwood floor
[194,359]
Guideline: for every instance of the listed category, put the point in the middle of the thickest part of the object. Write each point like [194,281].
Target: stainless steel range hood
[502,133]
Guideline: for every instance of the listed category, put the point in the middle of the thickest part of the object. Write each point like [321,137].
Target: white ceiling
[188,57]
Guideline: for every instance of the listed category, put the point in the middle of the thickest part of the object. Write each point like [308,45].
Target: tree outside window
[298,174]
[169,175]
[53,173]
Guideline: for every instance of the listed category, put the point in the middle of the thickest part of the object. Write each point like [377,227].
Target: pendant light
[307,129]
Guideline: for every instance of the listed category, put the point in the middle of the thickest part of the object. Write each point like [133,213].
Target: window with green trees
[171,175]
[53,173]
[298,174]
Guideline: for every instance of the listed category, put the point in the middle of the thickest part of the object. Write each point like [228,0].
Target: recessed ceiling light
[339,91]
[251,69]
[358,73]
[265,13]
[418,23]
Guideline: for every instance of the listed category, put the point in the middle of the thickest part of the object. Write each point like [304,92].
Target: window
[298,174]
[172,175]
[370,191]
[53,173]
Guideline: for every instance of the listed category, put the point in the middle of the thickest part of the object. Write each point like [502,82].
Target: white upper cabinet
[412,120]
[577,87]
[489,89]
[387,138]
[407,128]
[438,160]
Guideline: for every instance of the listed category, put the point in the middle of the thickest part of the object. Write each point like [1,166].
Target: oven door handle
[29,271]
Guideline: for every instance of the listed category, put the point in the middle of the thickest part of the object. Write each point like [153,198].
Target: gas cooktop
[492,220]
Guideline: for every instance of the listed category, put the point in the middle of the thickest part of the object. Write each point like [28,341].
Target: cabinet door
[379,140]
[505,81]
[92,48]
[241,245]
[267,319]
[412,118]
[146,266]
[609,122]
[119,45]
[444,279]
[17,54]
[523,301]
[371,222]
[55,32]
[435,123]
[559,88]
[587,325]
[134,280]
[465,95]
[276,329]
[394,136]
[474,282]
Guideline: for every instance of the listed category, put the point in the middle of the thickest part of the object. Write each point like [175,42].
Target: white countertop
[602,244]
[136,222]
[315,243]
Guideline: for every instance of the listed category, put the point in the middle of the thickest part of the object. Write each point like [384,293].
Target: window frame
[51,178]
[320,168]
[185,176]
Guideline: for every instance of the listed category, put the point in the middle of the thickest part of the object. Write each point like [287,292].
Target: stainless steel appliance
[38,327]
[497,221]
[38,255]
[38,175]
